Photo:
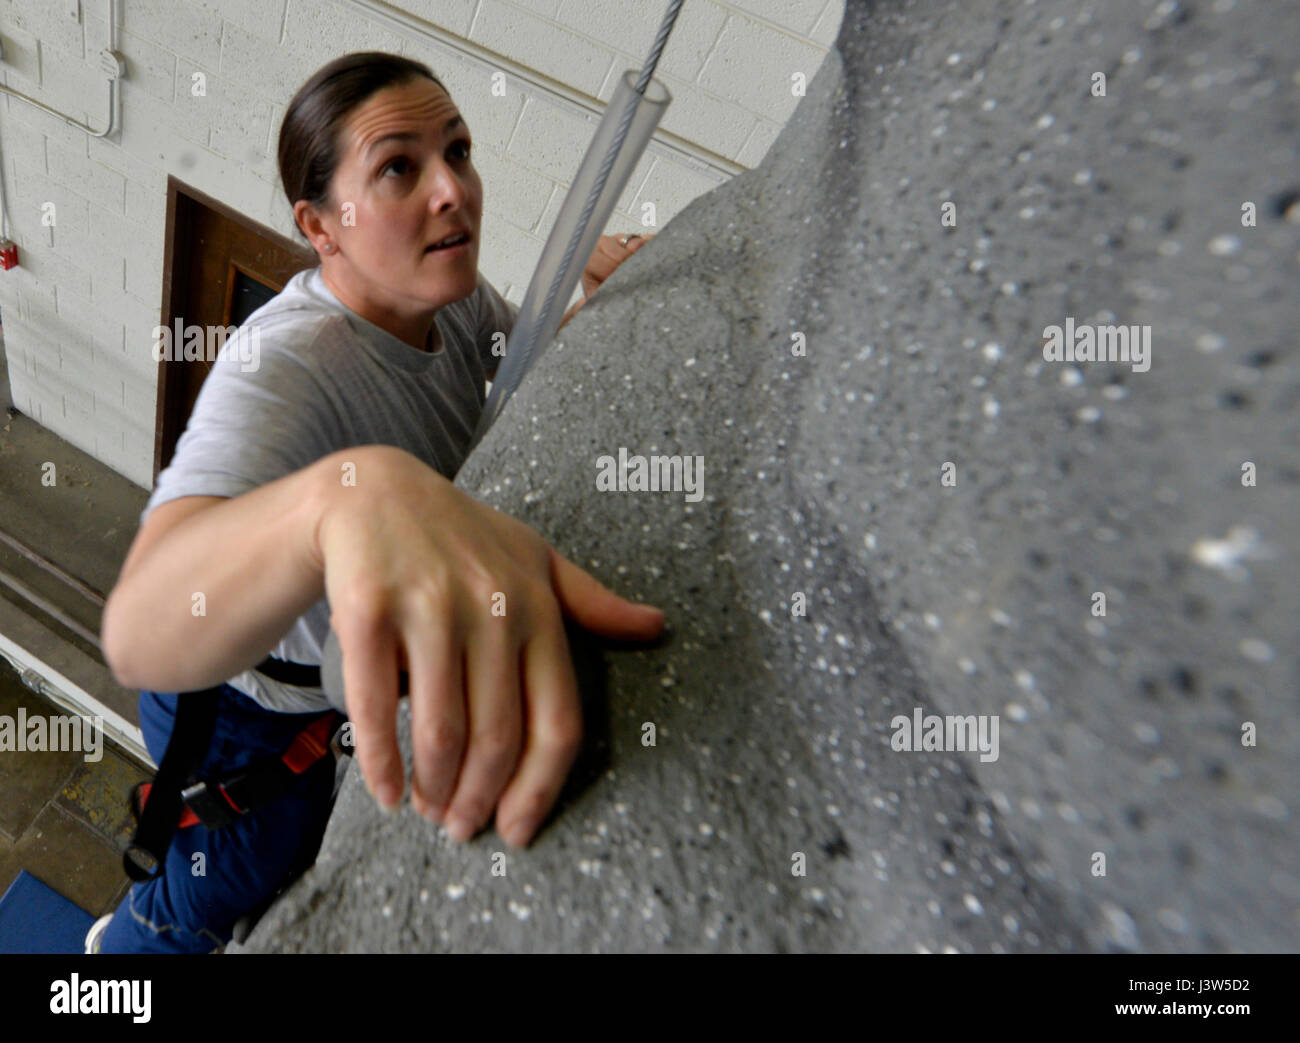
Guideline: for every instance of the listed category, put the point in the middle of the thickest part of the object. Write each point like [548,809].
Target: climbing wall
[984,629]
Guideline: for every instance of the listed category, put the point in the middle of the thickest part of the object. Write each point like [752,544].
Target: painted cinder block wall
[78,313]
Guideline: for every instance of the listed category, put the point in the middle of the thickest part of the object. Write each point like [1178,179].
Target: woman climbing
[314,492]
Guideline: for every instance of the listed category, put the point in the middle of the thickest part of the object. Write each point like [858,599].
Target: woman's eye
[402,165]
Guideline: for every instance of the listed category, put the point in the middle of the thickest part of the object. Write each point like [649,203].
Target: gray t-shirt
[327,379]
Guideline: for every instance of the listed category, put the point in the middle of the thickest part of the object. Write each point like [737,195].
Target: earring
[329,248]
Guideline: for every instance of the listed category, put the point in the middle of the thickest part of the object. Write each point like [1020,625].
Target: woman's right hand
[469,601]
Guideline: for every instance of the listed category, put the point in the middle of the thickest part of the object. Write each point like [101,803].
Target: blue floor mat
[35,919]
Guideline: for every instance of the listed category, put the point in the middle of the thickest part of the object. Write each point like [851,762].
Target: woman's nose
[448,188]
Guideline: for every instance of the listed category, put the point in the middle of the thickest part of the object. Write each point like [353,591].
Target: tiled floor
[62,818]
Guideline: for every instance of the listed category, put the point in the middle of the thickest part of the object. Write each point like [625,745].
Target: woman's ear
[308,220]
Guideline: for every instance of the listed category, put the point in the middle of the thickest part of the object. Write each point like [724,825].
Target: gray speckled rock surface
[1119,734]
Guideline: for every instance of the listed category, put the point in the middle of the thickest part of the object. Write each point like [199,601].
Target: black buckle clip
[206,801]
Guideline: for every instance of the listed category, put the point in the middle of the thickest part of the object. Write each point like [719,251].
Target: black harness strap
[299,675]
[196,717]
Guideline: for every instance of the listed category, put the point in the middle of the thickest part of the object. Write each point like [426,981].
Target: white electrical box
[112,63]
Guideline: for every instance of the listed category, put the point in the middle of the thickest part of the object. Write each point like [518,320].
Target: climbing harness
[178,798]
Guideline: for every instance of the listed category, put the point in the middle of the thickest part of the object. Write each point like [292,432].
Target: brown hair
[309,146]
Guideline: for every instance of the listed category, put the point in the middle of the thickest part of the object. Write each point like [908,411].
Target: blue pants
[213,877]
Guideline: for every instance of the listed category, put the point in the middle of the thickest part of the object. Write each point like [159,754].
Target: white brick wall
[79,310]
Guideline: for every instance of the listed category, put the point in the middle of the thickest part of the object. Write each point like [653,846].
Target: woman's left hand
[610,252]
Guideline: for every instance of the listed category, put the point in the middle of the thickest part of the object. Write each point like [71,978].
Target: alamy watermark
[72,995]
[56,733]
[928,732]
[207,343]
[1086,343]
[651,474]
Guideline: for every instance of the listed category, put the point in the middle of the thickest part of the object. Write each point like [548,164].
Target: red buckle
[187,819]
[309,745]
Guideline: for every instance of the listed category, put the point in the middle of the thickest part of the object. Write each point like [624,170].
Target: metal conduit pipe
[113,66]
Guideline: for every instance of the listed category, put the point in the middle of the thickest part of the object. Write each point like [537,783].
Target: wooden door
[218,268]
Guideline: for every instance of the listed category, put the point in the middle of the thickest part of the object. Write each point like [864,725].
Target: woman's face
[404,181]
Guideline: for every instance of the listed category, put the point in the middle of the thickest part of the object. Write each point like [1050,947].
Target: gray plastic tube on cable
[628,124]
[626,128]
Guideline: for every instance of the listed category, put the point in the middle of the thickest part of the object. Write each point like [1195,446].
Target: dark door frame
[273,261]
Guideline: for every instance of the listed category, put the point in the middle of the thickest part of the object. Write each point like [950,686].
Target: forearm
[253,560]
